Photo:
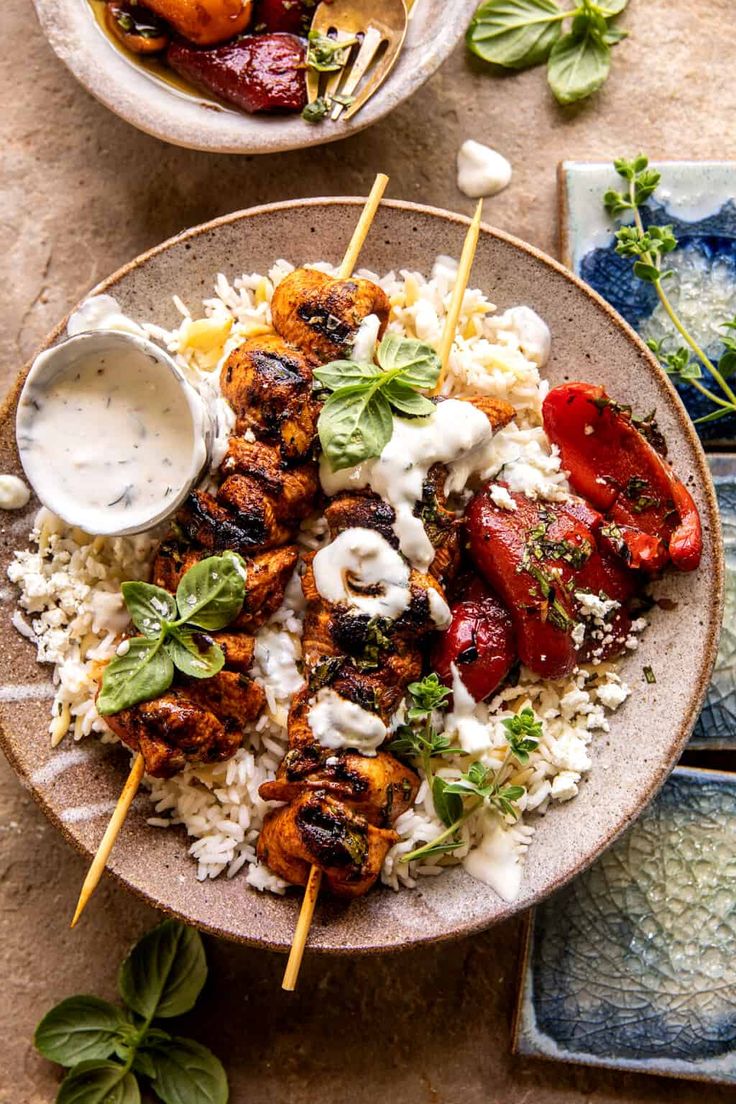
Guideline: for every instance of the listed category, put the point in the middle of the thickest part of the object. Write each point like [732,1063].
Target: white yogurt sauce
[438,609]
[471,733]
[365,339]
[361,568]
[338,723]
[481,171]
[108,439]
[14,494]
[457,435]
[495,860]
[101,312]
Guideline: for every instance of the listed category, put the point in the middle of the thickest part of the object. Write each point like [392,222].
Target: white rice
[70,605]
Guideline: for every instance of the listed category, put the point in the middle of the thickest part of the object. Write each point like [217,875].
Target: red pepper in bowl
[479,642]
[611,463]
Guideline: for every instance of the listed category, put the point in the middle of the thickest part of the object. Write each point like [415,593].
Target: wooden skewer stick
[130,789]
[458,292]
[311,891]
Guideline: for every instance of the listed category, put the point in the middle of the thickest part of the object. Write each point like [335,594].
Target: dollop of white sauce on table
[457,435]
[14,494]
[109,439]
[361,568]
[481,171]
[101,312]
[338,723]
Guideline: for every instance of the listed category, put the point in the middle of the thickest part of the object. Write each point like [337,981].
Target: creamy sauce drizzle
[495,860]
[457,435]
[338,723]
[361,568]
[109,441]
[101,312]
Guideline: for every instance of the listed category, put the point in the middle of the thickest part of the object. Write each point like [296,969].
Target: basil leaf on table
[149,606]
[211,593]
[164,973]
[98,1083]
[143,673]
[407,401]
[79,1029]
[187,1073]
[343,373]
[515,33]
[354,425]
[418,362]
[578,65]
[447,805]
[193,652]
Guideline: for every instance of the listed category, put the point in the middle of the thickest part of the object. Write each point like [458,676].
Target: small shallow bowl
[197,122]
[40,380]
[77,785]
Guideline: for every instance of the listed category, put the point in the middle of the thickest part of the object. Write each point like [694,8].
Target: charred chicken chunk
[269,386]
[317,829]
[321,314]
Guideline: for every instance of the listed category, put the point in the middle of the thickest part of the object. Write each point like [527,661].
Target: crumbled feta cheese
[565,785]
[502,498]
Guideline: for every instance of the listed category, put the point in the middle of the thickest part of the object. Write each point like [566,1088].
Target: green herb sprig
[209,596]
[106,1048]
[647,249]
[456,800]
[356,422]
[519,34]
[327,55]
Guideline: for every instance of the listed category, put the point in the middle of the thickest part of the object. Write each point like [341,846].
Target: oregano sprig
[356,422]
[174,632]
[456,800]
[647,248]
[519,34]
[106,1048]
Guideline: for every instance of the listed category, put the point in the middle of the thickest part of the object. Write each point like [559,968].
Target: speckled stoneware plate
[76,785]
[198,122]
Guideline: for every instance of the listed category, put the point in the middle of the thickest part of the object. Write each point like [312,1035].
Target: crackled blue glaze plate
[633,965]
[698,198]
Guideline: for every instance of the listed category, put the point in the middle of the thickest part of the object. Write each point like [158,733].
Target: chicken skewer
[260,378]
[314,879]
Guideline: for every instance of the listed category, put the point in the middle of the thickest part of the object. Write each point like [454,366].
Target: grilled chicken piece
[235,699]
[498,412]
[379,787]
[218,527]
[269,386]
[318,829]
[238,647]
[172,730]
[250,468]
[205,22]
[267,576]
[321,314]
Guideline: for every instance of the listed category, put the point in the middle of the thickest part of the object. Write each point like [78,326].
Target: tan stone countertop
[82,192]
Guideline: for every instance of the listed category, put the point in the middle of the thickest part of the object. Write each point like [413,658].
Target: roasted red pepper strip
[538,557]
[613,465]
[479,642]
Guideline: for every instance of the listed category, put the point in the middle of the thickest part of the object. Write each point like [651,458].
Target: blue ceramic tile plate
[699,199]
[633,965]
[716,726]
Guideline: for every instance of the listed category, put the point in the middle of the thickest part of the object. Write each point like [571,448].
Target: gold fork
[382,24]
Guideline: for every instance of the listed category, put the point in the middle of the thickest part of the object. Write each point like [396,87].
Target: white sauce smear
[457,435]
[481,171]
[361,568]
[338,723]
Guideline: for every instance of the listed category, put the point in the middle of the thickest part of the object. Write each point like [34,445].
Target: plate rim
[460,929]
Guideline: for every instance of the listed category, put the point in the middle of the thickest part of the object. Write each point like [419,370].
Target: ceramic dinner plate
[77,783]
[196,121]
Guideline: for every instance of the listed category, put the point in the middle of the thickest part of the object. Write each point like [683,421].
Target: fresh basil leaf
[143,673]
[98,1083]
[194,653]
[211,593]
[345,373]
[188,1073]
[164,973]
[79,1029]
[143,1063]
[354,425]
[447,805]
[578,66]
[610,8]
[404,399]
[515,33]
[149,606]
[419,363]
